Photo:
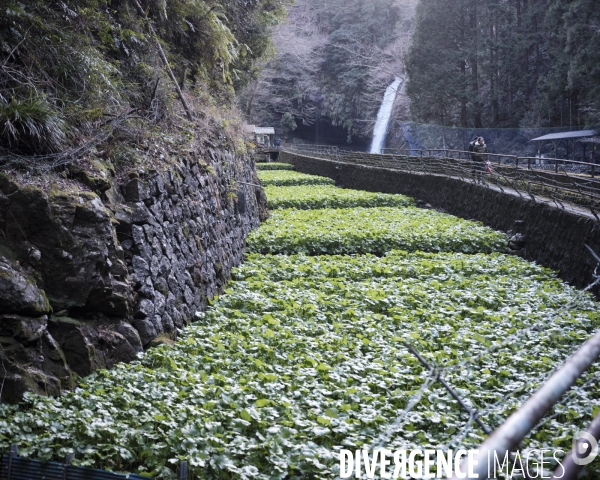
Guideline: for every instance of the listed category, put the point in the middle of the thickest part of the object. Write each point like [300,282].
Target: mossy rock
[162,339]
[72,195]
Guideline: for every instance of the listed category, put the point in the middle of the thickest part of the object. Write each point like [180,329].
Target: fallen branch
[163,57]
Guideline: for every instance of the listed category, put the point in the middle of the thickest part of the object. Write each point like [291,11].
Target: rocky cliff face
[91,278]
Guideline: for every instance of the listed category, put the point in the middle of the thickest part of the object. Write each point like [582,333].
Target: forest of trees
[471,64]
[507,63]
[68,66]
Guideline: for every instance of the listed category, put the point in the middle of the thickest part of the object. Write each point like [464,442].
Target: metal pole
[520,423]
[183,470]
[14,452]
[68,459]
[569,469]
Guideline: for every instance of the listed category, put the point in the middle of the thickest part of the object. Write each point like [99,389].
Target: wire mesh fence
[514,141]
[549,180]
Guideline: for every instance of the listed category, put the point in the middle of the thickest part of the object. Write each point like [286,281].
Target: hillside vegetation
[76,74]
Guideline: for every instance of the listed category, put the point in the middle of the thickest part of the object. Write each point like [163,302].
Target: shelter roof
[565,135]
[264,130]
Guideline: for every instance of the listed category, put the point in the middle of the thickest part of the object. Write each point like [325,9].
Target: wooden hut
[262,136]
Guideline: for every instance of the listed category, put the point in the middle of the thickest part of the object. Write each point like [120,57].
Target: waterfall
[383,117]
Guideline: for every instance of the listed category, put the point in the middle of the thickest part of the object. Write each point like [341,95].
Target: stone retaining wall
[554,238]
[89,279]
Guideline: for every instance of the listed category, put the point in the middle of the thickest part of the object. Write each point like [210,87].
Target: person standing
[479,157]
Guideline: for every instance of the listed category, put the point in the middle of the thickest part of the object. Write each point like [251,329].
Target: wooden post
[155,89]
[183,76]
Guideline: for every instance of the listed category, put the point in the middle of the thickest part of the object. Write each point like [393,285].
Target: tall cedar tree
[506,63]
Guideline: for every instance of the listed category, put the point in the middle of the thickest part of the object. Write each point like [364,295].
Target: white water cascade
[383,117]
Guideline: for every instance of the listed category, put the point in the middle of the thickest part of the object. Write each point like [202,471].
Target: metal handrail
[564,182]
[520,423]
[420,152]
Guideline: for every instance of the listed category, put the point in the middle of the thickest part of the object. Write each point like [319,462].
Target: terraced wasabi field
[310,197]
[305,352]
[274,166]
[288,178]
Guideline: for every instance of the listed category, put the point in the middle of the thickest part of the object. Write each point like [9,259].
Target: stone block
[164,267]
[157,211]
[136,191]
[145,329]
[160,303]
[144,309]
[138,236]
[161,285]
[130,334]
[19,292]
[147,292]
[140,266]
[140,214]
[168,324]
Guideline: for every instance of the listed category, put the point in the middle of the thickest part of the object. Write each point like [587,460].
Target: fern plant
[31,124]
